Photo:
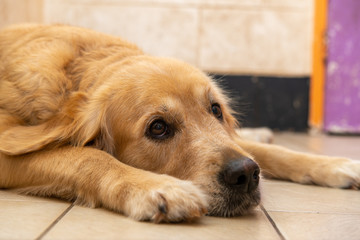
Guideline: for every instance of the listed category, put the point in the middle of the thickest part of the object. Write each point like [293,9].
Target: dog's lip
[241,209]
[231,203]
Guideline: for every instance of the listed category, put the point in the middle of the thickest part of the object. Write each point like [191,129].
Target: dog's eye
[158,129]
[216,110]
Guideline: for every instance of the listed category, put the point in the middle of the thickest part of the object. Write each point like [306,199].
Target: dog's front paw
[166,200]
[343,173]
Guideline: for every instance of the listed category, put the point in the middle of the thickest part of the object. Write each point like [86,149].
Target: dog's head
[165,116]
[160,115]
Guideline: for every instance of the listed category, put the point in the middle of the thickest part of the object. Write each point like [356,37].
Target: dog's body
[88,117]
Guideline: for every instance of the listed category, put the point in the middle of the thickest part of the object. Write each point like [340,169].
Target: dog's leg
[262,134]
[94,178]
[279,162]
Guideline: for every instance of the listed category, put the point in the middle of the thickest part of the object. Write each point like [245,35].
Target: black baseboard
[280,103]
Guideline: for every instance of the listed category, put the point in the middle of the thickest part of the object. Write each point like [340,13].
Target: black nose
[242,174]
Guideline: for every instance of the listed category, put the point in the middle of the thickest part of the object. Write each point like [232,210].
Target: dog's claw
[163,207]
[355,186]
[158,217]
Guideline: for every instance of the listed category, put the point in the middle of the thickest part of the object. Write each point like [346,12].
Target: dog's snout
[242,174]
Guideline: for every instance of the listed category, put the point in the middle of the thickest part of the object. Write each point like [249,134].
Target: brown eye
[216,110]
[158,129]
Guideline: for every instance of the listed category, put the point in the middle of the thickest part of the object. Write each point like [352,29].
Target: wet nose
[242,174]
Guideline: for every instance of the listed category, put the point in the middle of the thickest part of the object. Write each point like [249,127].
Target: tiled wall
[19,11]
[262,37]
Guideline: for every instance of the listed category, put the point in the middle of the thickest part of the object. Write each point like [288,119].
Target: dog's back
[41,64]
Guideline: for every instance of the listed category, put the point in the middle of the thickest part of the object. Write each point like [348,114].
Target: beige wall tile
[256,4]
[270,37]
[19,11]
[231,36]
[206,3]
[255,41]
[158,31]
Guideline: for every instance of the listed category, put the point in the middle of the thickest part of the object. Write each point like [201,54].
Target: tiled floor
[288,210]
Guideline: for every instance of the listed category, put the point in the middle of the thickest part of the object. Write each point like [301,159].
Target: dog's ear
[93,128]
[24,139]
[74,126]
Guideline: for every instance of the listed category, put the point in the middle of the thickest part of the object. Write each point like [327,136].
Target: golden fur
[75,111]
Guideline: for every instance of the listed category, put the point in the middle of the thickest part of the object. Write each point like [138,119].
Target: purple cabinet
[342,91]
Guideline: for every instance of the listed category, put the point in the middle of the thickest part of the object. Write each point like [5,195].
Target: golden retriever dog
[90,118]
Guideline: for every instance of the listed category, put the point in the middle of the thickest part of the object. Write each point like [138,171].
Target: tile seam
[62,215]
[315,212]
[272,223]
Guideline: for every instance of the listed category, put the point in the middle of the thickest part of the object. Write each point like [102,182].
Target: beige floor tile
[296,142]
[88,223]
[13,196]
[293,197]
[346,146]
[28,219]
[305,226]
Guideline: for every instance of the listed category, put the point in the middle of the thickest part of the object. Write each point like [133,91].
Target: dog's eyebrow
[164,108]
[170,109]
[210,96]
[170,104]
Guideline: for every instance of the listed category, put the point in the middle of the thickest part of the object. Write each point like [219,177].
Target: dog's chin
[231,204]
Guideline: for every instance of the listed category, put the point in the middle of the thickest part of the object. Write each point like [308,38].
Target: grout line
[54,222]
[199,33]
[272,223]
[316,212]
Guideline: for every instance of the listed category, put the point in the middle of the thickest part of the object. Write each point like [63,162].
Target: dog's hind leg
[92,177]
[279,162]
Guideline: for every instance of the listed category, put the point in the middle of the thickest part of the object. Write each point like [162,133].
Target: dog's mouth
[228,203]
[235,191]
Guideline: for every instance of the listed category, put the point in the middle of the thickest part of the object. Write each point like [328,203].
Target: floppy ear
[24,139]
[91,125]
[21,139]
[74,126]
[93,128]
